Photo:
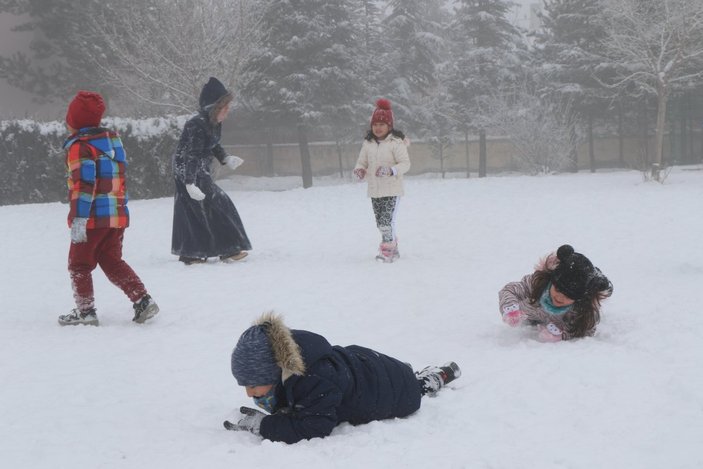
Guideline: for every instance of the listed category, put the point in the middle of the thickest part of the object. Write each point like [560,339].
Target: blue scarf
[267,401]
[546,302]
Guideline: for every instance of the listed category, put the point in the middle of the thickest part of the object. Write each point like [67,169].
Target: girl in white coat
[382,162]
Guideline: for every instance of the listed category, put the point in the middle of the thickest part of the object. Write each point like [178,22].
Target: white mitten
[78,230]
[194,192]
[233,162]
[548,333]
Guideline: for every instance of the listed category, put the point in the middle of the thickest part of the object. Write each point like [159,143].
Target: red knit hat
[85,110]
[382,113]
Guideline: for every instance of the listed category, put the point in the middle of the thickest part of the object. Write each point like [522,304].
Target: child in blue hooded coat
[308,386]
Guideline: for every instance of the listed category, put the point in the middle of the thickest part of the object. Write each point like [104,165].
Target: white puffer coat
[391,152]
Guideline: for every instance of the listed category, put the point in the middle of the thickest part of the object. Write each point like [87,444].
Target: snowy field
[154,396]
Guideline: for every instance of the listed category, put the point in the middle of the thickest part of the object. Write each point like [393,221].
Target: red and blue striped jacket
[96,165]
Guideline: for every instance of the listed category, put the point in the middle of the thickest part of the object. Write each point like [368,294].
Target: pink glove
[548,333]
[514,318]
[360,173]
[384,171]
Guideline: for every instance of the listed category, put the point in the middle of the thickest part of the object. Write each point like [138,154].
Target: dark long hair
[585,313]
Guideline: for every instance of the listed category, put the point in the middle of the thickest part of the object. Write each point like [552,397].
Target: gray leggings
[385,209]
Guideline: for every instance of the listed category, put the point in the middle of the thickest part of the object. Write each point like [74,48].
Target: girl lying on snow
[308,386]
[561,297]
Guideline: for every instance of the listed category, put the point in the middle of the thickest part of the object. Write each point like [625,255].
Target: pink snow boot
[388,252]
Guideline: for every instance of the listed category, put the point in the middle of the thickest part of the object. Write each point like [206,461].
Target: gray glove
[250,422]
[78,230]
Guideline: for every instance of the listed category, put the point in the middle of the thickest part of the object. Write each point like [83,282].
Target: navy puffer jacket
[340,384]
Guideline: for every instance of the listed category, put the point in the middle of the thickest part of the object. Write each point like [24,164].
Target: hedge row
[32,166]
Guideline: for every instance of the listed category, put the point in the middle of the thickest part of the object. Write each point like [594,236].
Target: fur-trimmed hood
[286,351]
[266,353]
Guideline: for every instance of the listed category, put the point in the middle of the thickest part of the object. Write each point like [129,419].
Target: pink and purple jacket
[516,296]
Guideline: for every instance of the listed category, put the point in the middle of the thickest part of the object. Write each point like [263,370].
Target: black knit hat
[211,92]
[573,274]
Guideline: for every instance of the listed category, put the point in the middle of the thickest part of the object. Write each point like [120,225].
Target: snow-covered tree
[438,128]
[655,43]
[409,68]
[161,52]
[55,65]
[307,70]
[536,125]
[142,55]
[486,58]
[371,43]
[569,57]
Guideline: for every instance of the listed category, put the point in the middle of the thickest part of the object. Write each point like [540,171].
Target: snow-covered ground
[154,396]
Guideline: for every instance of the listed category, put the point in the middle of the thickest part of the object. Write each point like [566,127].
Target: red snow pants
[103,248]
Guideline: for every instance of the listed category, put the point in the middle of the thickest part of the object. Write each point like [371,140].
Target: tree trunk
[682,156]
[304,156]
[689,129]
[645,134]
[268,161]
[573,150]
[441,159]
[591,152]
[621,137]
[482,153]
[658,164]
[674,153]
[466,143]
[338,145]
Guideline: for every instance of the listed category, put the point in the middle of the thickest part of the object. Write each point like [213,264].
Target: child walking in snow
[561,297]
[382,162]
[205,221]
[98,215]
[308,387]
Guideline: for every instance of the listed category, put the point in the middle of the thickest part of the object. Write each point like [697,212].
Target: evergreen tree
[570,56]
[306,72]
[372,45]
[410,64]
[55,68]
[487,52]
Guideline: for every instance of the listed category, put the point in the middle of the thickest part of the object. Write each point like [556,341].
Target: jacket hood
[106,142]
[286,350]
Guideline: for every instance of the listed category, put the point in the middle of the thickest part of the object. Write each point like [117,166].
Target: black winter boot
[144,309]
[76,317]
[433,378]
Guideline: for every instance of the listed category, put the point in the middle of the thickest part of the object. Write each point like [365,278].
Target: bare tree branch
[655,43]
[160,52]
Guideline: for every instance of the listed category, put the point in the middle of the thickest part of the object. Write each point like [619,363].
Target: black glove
[250,422]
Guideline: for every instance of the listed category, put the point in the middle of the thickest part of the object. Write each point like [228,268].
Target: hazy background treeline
[457,71]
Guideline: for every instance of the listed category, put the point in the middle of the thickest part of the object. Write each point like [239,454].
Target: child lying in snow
[309,386]
[561,297]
